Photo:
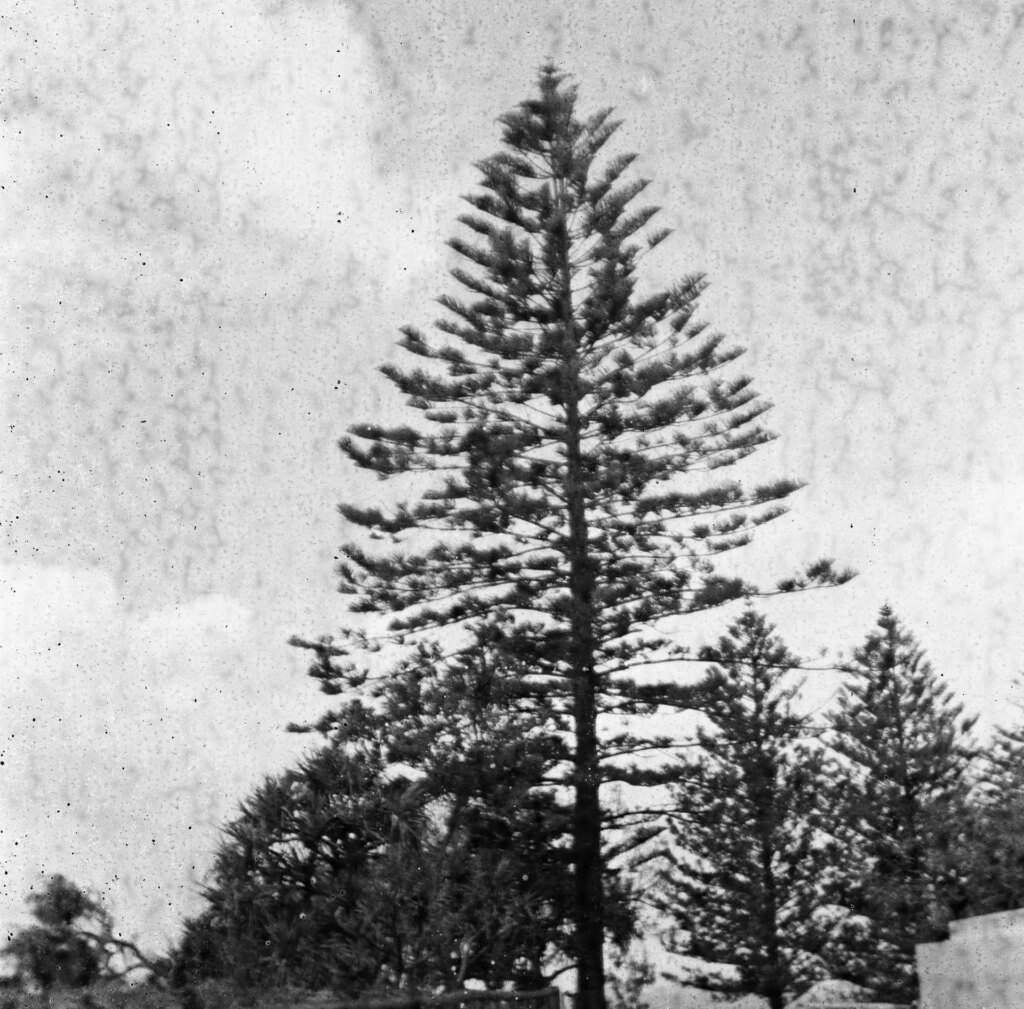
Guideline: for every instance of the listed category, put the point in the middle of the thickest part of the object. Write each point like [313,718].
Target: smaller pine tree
[419,847]
[902,782]
[994,852]
[740,879]
[1002,771]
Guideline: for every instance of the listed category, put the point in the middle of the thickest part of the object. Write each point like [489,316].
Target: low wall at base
[980,965]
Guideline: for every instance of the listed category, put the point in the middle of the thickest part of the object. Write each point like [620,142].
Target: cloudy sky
[215,217]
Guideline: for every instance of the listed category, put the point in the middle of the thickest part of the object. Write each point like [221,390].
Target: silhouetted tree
[993,853]
[903,772]
[416,849]
[73,942]
[574,427]
[741,883]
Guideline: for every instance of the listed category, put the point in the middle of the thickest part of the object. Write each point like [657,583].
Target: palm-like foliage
[417,849]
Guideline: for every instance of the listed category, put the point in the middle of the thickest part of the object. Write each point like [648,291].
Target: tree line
[426,849]
[498,780]
[426,846]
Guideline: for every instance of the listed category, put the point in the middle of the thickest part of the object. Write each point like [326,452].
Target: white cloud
[127,738]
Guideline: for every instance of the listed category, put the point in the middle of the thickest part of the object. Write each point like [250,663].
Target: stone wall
[980,965]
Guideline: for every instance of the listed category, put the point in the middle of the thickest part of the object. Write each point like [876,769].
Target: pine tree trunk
[773,989]
[589,883]
[589,903]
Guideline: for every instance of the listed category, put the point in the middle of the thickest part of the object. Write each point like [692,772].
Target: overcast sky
[215,217]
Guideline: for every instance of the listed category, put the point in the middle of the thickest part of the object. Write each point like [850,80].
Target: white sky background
[216,217]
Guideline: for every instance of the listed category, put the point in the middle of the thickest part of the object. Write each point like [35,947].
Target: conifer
[993,852]
[903,777]
[576,430]
[740,887]
[416,849]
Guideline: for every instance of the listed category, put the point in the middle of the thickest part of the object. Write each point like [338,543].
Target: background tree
[289,878]
[73,942]
[488,765]
[904,761]
[741,881]
[632,974]
[573,425]
[416,849]
[993,854]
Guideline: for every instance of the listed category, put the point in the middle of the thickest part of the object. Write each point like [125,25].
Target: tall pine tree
[740,885]
[903,772]
[573,425]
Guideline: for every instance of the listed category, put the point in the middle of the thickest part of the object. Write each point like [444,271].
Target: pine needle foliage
[345,873]
[1003,769]
[740,884]
[576,429]
[905,759]
[994,854]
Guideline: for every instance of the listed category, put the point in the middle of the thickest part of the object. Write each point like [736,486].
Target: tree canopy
[740,887]
[901,806]
[416,848]
[568,439]
[73,942]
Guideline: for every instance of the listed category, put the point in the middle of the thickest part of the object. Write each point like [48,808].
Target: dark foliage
[904,758]
[741,882]
[417,849]
[993,854]
[72,944]
[575,429]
